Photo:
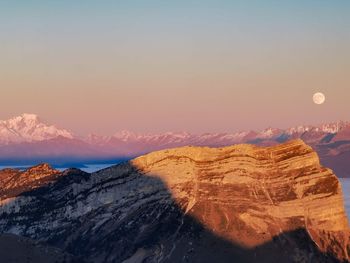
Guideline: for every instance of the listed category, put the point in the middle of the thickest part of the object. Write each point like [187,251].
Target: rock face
[249,195]
[14,182]
[240,203]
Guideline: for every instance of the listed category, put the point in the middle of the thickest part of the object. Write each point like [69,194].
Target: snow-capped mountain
[29,128]
[331,128]
[215,139]
[28,139]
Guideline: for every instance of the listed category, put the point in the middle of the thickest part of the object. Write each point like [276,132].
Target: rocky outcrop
[14,182]
[249,194]
[240,203]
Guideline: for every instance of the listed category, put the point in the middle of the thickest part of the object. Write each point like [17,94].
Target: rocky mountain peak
[15,182]
[244,189]
[41,168]
[241,203]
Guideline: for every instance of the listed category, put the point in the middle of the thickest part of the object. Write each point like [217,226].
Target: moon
[319,98]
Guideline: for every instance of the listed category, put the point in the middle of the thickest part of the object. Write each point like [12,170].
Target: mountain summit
[240,204]
[29,128]
[30,140]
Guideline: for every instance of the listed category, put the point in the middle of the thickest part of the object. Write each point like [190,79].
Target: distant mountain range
[29,128]
[26,139]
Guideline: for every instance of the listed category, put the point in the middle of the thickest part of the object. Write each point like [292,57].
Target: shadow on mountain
[120,214]
[19,249]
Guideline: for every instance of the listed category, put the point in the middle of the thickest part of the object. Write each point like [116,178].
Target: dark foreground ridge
[19,249]
[193,204]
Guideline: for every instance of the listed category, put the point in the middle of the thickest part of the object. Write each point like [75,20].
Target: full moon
[319,98]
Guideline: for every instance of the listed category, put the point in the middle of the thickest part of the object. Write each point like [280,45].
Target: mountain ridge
[30,128]
[331,141]
[190,204]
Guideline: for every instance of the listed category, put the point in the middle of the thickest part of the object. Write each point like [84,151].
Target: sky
[154,66]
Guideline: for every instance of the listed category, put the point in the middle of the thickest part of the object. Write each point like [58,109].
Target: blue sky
[180,64]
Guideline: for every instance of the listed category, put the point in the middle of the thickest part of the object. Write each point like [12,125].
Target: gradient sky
[152,66]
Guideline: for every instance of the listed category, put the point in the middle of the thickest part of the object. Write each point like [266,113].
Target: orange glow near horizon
[178,67]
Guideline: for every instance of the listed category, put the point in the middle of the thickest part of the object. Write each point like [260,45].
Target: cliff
[240,203]
[249,194]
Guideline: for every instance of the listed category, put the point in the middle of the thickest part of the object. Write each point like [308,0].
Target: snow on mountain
[213,139]
[95,139]
[29,128]
[332,128]
[26,137]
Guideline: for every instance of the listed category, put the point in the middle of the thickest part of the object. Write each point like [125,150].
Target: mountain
[331,141]
[129,143]
[242,203]
[28,128]
[26,139]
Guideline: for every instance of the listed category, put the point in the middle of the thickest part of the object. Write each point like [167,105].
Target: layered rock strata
[240,203]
